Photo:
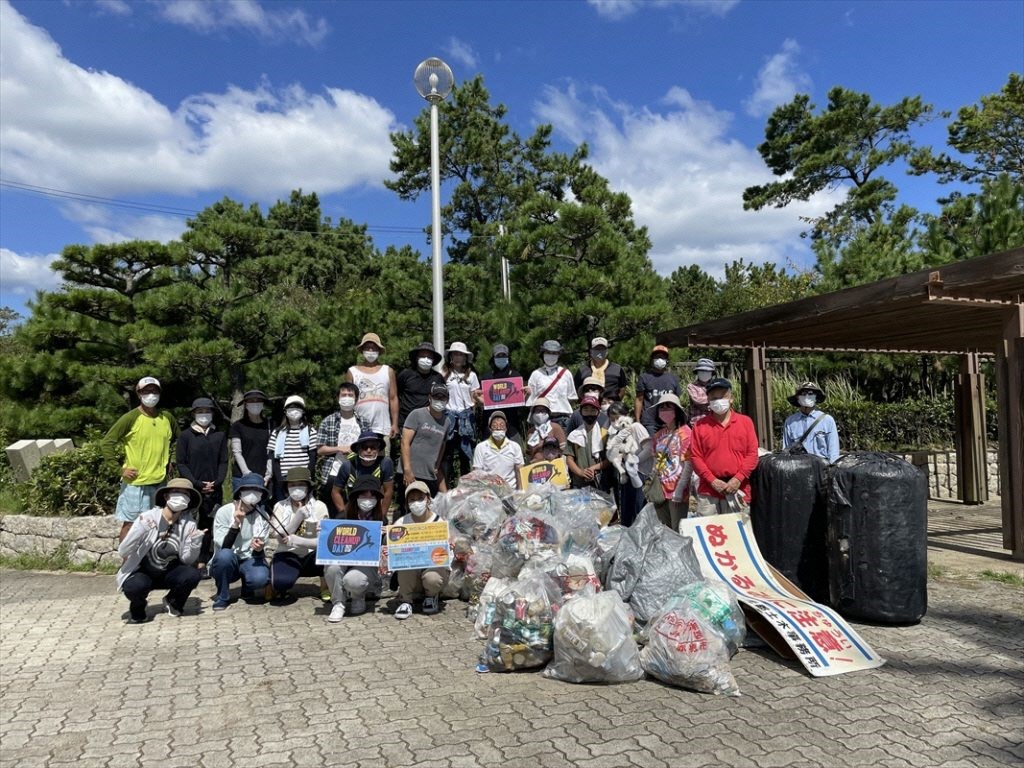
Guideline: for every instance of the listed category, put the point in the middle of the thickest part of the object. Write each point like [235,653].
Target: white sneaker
[358,606]
[337,613]
[404,611]
[171,610]
[431,605]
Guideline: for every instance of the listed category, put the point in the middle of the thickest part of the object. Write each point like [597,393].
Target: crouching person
[296,522]
[159,550]
[240,530]
[428,582]
[356,582]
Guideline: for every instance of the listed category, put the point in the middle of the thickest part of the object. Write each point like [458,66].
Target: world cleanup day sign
[349,542]
[503,393]
[418,545]
[555,472]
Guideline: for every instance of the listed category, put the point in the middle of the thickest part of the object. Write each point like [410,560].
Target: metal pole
[435,230]
[506,286]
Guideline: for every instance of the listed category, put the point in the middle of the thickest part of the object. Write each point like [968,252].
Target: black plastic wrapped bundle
[878,538]
[789,516]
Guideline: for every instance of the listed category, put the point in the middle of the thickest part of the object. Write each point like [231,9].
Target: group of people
[399,439]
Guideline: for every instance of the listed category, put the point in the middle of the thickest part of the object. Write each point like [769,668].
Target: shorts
[134,500]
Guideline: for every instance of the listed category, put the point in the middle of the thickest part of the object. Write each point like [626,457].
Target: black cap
[366,483]
[439,390]
[255,394]
[718,384]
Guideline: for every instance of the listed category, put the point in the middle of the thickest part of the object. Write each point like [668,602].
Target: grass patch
[10,501]
[936,572]
[1012,579]
[58,560]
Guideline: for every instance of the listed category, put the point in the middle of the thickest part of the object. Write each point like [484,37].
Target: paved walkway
[275,686]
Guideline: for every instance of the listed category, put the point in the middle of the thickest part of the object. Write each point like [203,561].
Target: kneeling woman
[426,583]
[355,582]
[159,551]
[294,523]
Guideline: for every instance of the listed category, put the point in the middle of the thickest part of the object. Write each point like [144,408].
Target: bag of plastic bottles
[519,636]
[691,639]
[607,542]
[593,641]
[597,505]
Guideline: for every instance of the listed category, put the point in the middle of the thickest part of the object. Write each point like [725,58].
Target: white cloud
[462,53]
[114,7]
[779,80]
[685,176]
[279,24]
[87,131]
[616,10]
[109,225]
[23,275]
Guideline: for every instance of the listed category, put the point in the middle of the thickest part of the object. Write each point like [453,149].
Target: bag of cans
[519,634]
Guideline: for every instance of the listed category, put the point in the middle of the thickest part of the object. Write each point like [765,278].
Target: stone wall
[88,539]
[941,469]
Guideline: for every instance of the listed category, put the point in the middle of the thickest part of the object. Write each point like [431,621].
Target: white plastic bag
[593,641]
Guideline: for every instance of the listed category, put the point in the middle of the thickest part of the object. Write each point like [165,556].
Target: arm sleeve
[222,527]
[229,538]
[182,458]
[236,452]
[832,440]
[135,541]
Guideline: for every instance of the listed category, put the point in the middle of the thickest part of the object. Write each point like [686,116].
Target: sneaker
[404,611]
[337,613]
[431,605]
[171,609]
[325,594]
[358,606]
[136,619]
[219,605]
[204,572]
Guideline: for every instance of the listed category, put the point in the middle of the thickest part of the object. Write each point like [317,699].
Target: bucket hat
[299,475]
[202,402]
[250,482]
[807,386]
[366,483]
[178,484]
[366,437]
[670,399]
[458,346]
[704,364]
[552,346]
[420,486]
[424,346]
[367,338]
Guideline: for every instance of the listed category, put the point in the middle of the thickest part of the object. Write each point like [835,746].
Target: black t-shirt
[414,391]
[614,378]
[254,439]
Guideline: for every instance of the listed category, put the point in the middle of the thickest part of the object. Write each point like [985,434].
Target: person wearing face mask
[610,375]
[502,368]
[335,436]
[248,438]
[498,455]
[353,584]
[584,447]
[593,387]
[427,583]
[146,434]
[542,427]
[628,440]
[704,372]
[810,430]
[296,521]
[202,458]
[724,453]
[366,460]
[463,392]
[656,381]
[159,550]
[424,437]
[377,404]
[553,383]
[293,444]
[671,446]
[240,531]
[414,385]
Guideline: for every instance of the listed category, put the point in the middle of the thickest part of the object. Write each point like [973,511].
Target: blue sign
[349,542]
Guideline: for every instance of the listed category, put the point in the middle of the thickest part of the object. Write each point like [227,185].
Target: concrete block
[24,457]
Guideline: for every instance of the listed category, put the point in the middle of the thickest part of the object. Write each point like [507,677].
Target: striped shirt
[294,454]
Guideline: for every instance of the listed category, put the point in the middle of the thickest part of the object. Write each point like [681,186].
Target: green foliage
[75,484]
[988,221]
[1003,577]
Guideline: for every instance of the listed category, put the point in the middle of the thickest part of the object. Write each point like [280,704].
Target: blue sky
[169,105]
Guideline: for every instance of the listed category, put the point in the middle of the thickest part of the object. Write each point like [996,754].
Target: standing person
[584,447]
[463,388]
[656,381]
[146,434]
[672,468]
[297,520]
[414,385]
[354,583]
[428,582]
[423,442]
[240,531]
[202,458]
[377,406]
[724,452]
[292,444]
[553,382]
[542,428]
[366,460]
[248,438]
[335,436]
[498,455]
[159,550]
[625,432]
[609,374]
[810,430]
[593,387]
[501,368]
[704,372]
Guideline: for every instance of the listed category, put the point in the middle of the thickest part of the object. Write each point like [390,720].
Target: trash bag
[475,508]
[593,641]
[485,608]
[596,504]
[477,572]
[535,499]
[688,649]
[607,541]
[520,632]
[650,563]
[520,537]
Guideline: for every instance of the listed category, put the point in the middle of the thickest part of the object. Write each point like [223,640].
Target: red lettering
[716,535]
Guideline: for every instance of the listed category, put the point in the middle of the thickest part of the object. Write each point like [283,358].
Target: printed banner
[819,637]
[349,542]
[555,471]
[503,393]
[418,545]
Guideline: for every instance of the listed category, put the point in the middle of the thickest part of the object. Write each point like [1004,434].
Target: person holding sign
[355,582]
[501,368]
[542,427]
[296,521]
[427,582]
[498,455]
[240,530]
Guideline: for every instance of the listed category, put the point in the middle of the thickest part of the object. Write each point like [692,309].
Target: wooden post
[971,447]
[1010,395]
[757,396]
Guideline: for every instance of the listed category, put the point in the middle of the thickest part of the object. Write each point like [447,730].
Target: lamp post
[434,80]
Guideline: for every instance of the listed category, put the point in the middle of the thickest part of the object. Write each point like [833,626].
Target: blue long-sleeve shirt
[823,440]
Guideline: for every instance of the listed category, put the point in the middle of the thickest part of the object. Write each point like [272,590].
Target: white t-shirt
[502,461]
[560,394]
[374,404]
[460,388]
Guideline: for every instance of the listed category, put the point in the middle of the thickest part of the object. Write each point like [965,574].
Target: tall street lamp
[434,80]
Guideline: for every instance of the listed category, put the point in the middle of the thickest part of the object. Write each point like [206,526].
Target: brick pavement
[275,686]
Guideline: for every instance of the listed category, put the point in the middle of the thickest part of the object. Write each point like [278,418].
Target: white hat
[598,341]
[145,381]
[295,400]
[458,346]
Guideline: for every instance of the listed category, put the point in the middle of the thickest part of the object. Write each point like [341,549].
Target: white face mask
[366,504]
[418,508]
[550,360]
[425,363]
[177,502]
[371,355]
[703,375]
[254,409]
[150,401]
[204,419]
[368,457]
[346,402]
[605,407]
[252,498]
[293,414]
[660,364]
[298,493]
[438,406]
[498,435]
[807,401]
[719,406]
[541,418]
